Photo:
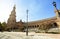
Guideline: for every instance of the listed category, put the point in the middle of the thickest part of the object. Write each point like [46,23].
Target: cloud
[5,8]
[37,9]
[32,5]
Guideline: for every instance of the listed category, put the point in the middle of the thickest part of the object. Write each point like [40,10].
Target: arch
[55,25]
[37,25]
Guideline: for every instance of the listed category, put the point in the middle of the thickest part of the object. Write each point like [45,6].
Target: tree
[4,25]
[0,26]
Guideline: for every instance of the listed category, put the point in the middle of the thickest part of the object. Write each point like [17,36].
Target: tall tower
[57,12]
[11,23]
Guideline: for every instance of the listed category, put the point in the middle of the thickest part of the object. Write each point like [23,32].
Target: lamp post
[54,4]
[55,7]
[27,23]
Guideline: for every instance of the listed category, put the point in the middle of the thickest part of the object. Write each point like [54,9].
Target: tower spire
[12,19]
[14,7]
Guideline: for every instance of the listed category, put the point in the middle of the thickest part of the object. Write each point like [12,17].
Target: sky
[38,9]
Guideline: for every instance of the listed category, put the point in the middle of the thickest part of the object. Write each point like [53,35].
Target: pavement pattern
[31,35]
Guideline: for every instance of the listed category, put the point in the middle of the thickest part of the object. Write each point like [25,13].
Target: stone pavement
[32,35]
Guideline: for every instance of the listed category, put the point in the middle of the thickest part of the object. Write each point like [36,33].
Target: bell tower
[57,12]
[11,23]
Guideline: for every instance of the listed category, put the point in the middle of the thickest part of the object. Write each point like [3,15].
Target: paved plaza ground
[31,35]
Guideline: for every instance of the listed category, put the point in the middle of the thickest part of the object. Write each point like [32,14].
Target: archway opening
[55,25]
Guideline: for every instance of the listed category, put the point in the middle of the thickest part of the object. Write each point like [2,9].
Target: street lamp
[27,23]
[54,4]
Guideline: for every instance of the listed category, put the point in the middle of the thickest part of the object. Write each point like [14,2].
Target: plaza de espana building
[44,24]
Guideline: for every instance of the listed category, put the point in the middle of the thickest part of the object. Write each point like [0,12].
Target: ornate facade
[44,24]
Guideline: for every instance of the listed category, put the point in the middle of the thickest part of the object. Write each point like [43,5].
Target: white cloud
[5,8]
